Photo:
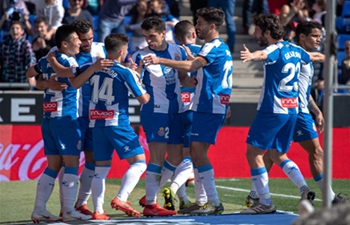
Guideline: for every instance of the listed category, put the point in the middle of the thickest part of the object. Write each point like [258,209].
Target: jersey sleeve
[183,53]
[272,53]
[136,57]
[208,52]
[305,57]
[39,66]
[69,62]
[132,83]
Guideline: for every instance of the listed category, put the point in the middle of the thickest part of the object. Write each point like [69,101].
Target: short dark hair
[153,22]
[212,15]
[183,29]
[40,19]
[306,28]
[114,42]
[270,22]
[17,22]
[63,33]
[82,26]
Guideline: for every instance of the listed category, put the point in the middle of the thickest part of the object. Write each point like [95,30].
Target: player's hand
[103,64]
[228,114]
[246,55]
[188,52]
[320,122]
[131,64]
[150,60]
[51,56]
[54,85]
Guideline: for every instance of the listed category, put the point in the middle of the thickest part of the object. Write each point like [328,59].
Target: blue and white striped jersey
[59,103]
[85,60]
[279,93]
[305,80]
[214,86]
[109,99]
[162,82]
[188,93]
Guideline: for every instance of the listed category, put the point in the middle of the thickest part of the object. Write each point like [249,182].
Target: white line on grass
[273,194]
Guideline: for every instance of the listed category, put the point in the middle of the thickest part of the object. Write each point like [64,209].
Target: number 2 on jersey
[105,93]
[226,80]
[293,70]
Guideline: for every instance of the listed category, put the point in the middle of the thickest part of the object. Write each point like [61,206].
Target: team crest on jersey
[167,70]
[177,57]
[79,145]
[161,132]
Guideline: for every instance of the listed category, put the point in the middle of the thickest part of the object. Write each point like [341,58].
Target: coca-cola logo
[101,114]
[25,161]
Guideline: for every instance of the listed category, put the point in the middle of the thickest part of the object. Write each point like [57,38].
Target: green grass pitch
[17,198]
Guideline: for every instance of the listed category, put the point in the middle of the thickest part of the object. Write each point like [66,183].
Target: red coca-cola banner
[22,154]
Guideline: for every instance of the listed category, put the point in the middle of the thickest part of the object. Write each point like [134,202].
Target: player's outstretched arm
[100,64]
[185,66]
[59,69]
[317,57]
[31,72]
[144,98]
[247,56]
[51,83]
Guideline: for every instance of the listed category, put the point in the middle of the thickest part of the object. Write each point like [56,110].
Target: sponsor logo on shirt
[50,107]
[96,114]
[169,75]
[289,102]
[186,97]
[225,99]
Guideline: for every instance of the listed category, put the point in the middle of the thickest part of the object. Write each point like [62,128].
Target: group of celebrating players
[184,91]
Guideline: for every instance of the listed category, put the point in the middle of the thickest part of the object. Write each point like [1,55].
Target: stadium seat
[1,35]
[340,56]
[32,18]
[346,9]
[127,20]
[342,38]
[343,25]
[95,26]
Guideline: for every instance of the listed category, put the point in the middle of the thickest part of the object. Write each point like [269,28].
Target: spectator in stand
[16,55]
[250,6]
[228,6]
[93,6]
[111,17]
[319,6]
[196,4]
[275,6]
[41,46]
[345,67]
[76,12]
[174,8]
[53,11]
[293,13]
[138,40]
[339,8]
[157,7]
[13,10]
